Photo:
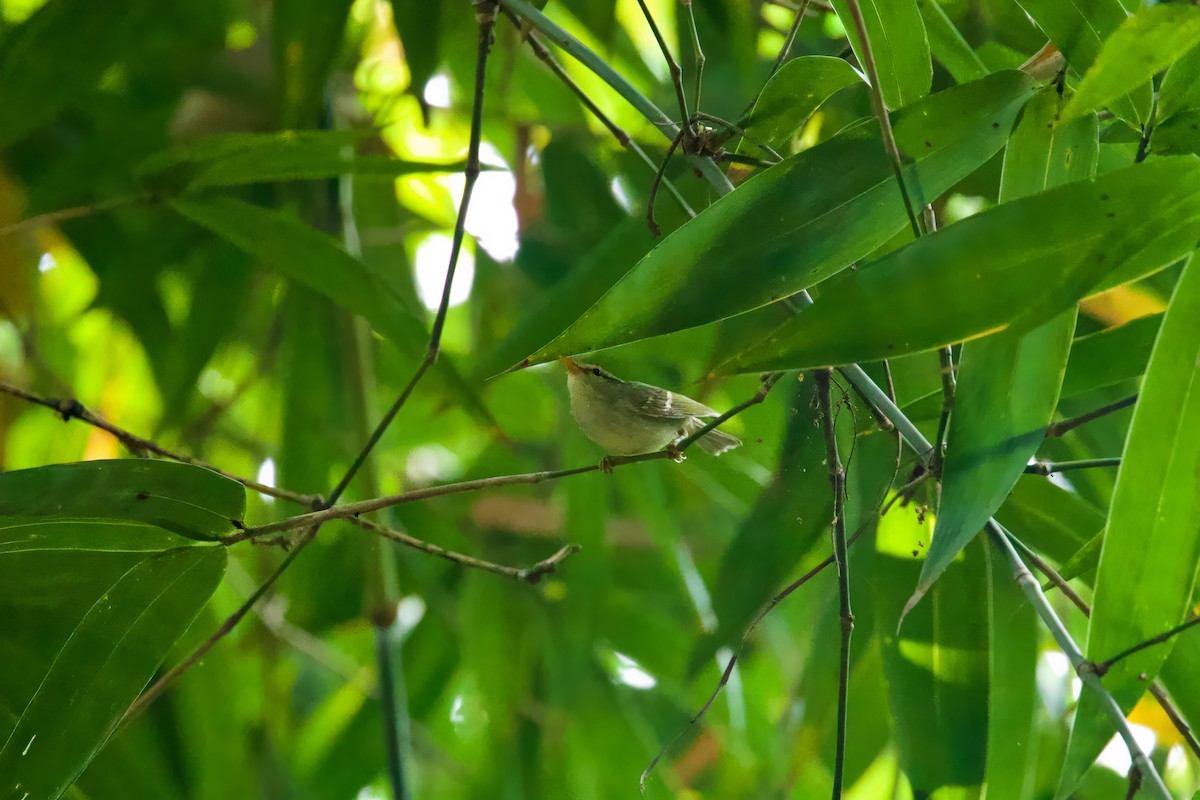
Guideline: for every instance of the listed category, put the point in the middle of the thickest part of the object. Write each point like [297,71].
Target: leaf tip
[909,606]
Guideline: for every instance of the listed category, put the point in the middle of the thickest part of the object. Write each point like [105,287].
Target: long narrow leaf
[1009,382]
[799,222]
[1148,562]
[1121,225]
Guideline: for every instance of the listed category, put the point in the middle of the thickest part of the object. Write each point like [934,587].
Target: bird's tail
[716,441]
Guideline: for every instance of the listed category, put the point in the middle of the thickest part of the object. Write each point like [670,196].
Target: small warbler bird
[629,418]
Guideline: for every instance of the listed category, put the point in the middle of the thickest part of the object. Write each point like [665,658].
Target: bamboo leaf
[1079,29]
[191,501]
[797,90]
[238,159]
[1009,382]
[899,45]
[1110,356]
[1052,520]
[316,260]
[937,664]
[1143,45]
[107,655]
[948,45]
[1013,699]
[1179,134]
[798,222]
[1180,88]
[1148,561]
[1119,226]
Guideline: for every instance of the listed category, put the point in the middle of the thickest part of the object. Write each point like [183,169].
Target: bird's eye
[596,371]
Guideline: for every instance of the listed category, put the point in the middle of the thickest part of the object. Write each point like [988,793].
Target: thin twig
[911,435]
[788,41]
[672,66]
[817,6]
[837,480]
[658,179]
[1083,668]
[766,609]
[53,217]
[618,133]
[1051,467]
[1147,131]
[163,683]
[485,16]
[70,409]
[580,52]
[1156,688]
[1104,666]
[1063,426]
[881,112]
[946,369]
[351,510]
[392,706]
[691,14]
[530,574]
[781,57]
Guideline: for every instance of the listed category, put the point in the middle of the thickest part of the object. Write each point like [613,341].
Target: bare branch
[531,574]
[837,481]
[70,409]
[1063,426]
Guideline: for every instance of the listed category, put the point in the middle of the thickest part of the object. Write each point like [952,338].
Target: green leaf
[1180,88]
[1013,698]
[87,39]
[19,535]
[191,501]
[1050,519]
[555,308]
[782,526]
[238,159]
[1085,560]
[1009,382]
[948,45]
[1119,226]
[1110,356]
[316,260]
[937,665]
[799,222]
[1143,45]
[420,28]
[797,90]
[1079,29]
[306,36]
[1148,561]
[1177,135]
[898,42]
[1179,674]
[107,658]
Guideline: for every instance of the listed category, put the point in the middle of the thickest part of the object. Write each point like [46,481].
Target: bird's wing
[663,404]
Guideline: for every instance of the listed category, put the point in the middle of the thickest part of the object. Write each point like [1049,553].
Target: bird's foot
[606,465]
[674,453]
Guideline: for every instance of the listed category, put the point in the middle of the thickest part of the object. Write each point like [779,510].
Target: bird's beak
[572,367]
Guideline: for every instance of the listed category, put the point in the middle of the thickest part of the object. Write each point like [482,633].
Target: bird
[630,418]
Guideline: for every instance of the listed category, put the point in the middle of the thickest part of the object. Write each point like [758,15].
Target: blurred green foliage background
[193,293]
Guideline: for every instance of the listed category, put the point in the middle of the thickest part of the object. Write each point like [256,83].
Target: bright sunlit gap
[46,263]
[456,710]
[266,476]
[431,262]
[437,91]
[630,673]
[1116,756]
[409,612]
[491,217]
